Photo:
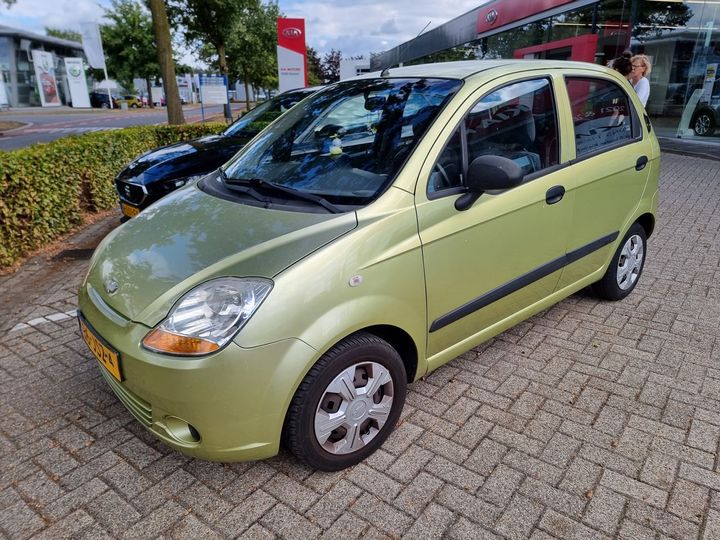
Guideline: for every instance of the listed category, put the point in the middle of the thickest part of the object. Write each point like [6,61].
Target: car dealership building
[17,71]
[681,37]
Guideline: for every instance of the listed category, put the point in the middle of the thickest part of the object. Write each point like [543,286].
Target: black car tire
[703,124]
[609,288]
[374,361]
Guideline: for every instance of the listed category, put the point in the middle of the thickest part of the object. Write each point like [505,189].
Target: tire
[104,106]
[625,267]
[703,124]
[332,422]
[134,105]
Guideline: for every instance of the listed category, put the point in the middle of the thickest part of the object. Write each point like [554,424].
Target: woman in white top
[641,68]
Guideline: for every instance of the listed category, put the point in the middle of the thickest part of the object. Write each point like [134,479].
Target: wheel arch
[401,342]
[647,222]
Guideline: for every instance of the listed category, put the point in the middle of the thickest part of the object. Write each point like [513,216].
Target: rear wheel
[626,266]
[703,124]
[348,403]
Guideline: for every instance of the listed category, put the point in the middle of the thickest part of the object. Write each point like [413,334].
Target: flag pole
[108,88]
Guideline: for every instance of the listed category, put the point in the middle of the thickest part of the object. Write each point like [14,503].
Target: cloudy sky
[351,26]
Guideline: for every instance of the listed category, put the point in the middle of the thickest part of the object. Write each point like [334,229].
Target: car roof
[468,68]
[305,90]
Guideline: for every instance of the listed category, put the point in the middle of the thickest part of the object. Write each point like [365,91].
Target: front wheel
[626,266]
[348,403]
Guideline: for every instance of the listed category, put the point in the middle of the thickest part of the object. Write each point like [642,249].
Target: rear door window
[602,114]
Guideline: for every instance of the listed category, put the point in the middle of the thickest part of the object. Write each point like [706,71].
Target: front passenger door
[500,256]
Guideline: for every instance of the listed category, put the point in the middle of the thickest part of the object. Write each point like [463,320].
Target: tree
[314,67]
[213,22]
[253,48]
[161,28]
[62,33]
[331,66]
[129,44]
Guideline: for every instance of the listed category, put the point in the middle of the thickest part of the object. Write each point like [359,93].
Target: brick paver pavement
[590,420]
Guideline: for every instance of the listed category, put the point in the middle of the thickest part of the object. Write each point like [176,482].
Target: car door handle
[554,194]
[640,163]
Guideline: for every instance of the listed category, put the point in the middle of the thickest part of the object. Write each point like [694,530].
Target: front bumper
[236,399]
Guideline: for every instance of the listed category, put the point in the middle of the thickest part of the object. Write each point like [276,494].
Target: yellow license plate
[105,355]
[129,211]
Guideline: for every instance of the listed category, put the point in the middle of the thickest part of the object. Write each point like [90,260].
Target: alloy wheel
[702,124]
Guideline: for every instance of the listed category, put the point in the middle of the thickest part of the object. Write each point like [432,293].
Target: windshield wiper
[271,186]
[243,188]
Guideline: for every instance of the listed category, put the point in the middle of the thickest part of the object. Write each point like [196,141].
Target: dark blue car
[160,171]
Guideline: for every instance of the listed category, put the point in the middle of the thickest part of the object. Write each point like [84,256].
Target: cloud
[35,15]
[357,28]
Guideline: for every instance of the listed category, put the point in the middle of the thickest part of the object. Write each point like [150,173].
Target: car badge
[111,286]
[128,193]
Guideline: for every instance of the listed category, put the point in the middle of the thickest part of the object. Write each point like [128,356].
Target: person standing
[641,68]
[623,64]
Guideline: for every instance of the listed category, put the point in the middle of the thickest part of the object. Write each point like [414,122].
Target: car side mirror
[487,173]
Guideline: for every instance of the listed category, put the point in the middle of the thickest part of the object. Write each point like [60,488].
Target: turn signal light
[166,342]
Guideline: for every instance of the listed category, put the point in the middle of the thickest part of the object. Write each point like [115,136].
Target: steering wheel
[444,178]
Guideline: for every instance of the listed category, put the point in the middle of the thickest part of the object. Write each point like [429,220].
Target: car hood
[189,237]
[183,159]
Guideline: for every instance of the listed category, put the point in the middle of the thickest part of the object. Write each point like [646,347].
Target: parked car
[706,117]
[380,228]
[165,169]
[134,102]
[100,99]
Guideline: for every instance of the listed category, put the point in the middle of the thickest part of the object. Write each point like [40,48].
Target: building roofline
[24,34]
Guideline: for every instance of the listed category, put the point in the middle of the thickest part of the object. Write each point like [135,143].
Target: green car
[374,232]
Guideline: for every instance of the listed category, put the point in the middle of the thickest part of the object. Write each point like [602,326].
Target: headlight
[209,316]
[180,182]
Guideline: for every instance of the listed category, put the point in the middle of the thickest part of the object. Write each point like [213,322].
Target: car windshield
[346,143]
[258,118]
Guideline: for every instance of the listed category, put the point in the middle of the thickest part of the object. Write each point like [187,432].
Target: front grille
[137,406]
[132,193]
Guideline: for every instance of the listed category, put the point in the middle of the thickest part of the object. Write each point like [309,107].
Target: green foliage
[315,73]
[46,188]
[62,33]
[252,48]
[331,66]
[129,43]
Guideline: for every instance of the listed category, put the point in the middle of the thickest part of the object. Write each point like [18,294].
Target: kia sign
[292,64]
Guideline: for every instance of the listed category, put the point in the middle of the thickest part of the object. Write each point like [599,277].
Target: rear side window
[601,114]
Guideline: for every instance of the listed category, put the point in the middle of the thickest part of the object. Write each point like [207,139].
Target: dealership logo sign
[292,32]
[74,71]
[492,16]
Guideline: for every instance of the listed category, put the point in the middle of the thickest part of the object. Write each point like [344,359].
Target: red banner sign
[498,13]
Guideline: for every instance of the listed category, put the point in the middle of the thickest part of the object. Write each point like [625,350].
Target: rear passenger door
[609,170]
[485,264]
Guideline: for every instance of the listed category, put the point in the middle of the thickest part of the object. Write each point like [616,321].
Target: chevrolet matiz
[372,233]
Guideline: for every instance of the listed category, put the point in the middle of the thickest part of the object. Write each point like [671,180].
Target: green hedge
[46,188]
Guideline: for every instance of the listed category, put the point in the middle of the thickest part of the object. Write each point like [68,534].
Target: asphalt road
[46,126]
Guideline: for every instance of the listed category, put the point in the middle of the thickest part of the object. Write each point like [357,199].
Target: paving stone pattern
[591,420]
